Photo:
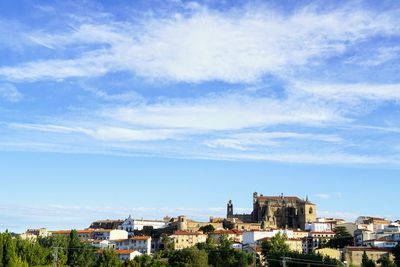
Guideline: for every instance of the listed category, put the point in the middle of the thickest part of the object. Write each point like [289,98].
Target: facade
[277,212]
[130,225]
[182,239]
[109,234]
[182,223]
[33,234]
[138,243]
[315,240]
[84,235]
[127,255]
[353,255]
[105,224]
[330,252]
[233,235]
[251,237]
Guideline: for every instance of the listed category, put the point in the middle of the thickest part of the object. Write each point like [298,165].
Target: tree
[108,258]
[366,262]
[9,251]
[396,253]
[385,261]
[78,254]
[342,238]
[192,257]
[276,245]
[209,228]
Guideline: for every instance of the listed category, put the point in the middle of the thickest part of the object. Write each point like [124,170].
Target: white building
[319,227]
[251,237]
[131,225]
[139,243]
[127,255]
[109,234]
[383,242]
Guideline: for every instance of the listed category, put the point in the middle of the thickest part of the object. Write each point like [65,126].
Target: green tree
[385,261]
[79,254]
[209,228]
[190,257]
[9,251]
[275,245]
[342,238]
[108,258]
[396,253]
[366,262]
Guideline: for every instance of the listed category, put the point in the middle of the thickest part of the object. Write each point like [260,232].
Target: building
[130,225]
[330,252]
[251,237]
[123,255]
[182,223]
[315,240]
[232,235]
[33,234]
[109,234]
[319,227]
[127,255]
[237,224]
[105,224]
[277,212]
[183,239]
[83,235]
[384,242]
[294,244]
[138,243]
[353,255]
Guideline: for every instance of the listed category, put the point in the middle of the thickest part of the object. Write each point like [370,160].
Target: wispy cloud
[10,93]
[203,45]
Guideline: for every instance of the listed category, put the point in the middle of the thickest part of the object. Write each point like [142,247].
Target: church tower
[229,209]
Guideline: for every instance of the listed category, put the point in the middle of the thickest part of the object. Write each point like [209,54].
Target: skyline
[198,102]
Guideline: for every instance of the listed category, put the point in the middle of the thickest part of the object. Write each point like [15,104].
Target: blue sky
[167,107]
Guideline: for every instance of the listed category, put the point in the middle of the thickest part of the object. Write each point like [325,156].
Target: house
[139,243]
[294,244]
[182,223]
[130,225]
[109,234]
[233,235]
[33,234]
[315,240]
[353,255]
[105,224]
[127,255]
[251,237]
[83,235]
[184,239]
[123,255]
[383,242]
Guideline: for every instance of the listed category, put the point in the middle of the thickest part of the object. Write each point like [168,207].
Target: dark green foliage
[276,251]
[192,257]
[108,259]
[222,254]
[385,261]
[207,229]
[366,262]
[342,238]
[396,253]
[78,253]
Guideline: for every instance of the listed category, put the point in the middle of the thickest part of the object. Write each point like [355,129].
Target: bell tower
[229,209]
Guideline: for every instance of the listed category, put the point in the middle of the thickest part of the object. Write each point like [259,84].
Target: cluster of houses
[132,237]
[291,216]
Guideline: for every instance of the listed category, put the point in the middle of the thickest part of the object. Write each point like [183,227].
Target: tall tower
[229,209]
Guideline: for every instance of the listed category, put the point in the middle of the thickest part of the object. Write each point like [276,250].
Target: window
[310,210]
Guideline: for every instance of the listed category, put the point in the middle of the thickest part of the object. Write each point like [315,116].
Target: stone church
[277,212]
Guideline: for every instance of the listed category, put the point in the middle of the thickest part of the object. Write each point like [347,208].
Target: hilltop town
[291,219]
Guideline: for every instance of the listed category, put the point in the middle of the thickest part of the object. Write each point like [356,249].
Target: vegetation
[366,262]
[396,254]
[276,251]
[207,229]
[342,238]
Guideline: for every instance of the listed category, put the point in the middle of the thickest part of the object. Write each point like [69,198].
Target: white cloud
[243,141]
[10,93]
[225,112]
[350,92]
[234,46]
